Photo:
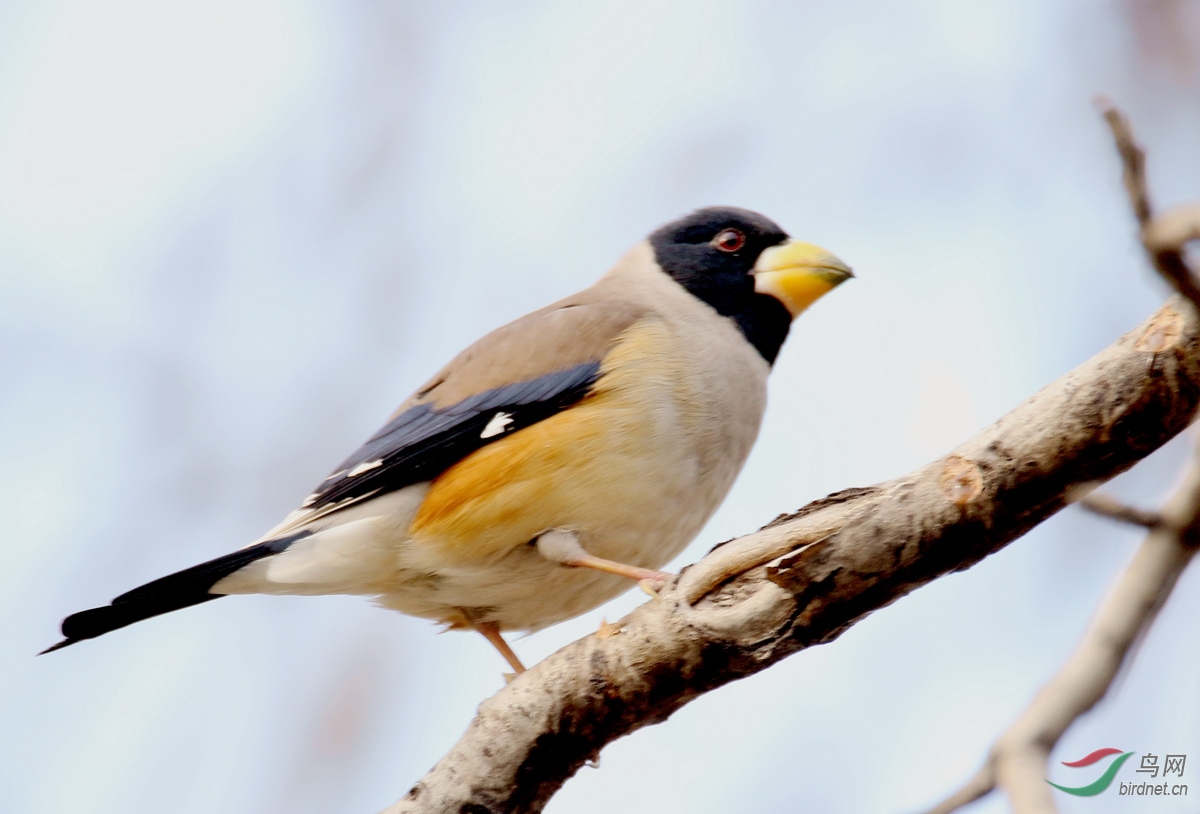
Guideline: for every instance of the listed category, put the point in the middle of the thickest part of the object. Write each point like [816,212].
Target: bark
[805,578]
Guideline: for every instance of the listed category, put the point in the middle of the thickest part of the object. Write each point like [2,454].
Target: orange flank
[480,507]
[564,472]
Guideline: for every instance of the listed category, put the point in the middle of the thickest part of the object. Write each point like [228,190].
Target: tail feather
[172,592]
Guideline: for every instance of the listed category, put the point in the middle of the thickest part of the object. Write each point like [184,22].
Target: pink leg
[491,632]
[563,547]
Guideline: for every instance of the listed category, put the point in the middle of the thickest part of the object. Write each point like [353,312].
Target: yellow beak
[798,274]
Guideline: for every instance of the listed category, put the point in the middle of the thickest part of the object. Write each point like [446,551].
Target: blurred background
[234,235]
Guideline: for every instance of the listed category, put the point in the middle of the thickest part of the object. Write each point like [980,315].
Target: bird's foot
[491,632]
[563,547]
[654,584]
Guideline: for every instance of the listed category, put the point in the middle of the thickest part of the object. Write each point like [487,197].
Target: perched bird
[557,458]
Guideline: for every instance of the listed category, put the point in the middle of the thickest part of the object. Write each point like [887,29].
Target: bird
[554,463]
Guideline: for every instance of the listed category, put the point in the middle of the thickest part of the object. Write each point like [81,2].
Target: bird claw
[653,586]
[607,629]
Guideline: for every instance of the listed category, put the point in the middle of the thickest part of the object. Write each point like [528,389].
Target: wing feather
[528,371]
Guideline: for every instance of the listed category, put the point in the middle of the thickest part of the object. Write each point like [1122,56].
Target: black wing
[424,441]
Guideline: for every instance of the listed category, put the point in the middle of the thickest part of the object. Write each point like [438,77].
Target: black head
[712,253]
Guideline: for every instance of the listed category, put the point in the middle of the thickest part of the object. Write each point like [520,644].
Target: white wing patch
[365,466]
[305,515]
[497,425]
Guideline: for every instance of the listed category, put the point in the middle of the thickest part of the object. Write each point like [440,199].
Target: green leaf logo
[1102,782]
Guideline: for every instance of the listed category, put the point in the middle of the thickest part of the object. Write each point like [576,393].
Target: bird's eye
[729,240]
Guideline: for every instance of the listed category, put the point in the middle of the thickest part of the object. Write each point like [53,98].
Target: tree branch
[806,578]
[1110,507]
[1164,237]
[1017,761]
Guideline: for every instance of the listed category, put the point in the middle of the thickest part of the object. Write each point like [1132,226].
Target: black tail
[179,590]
